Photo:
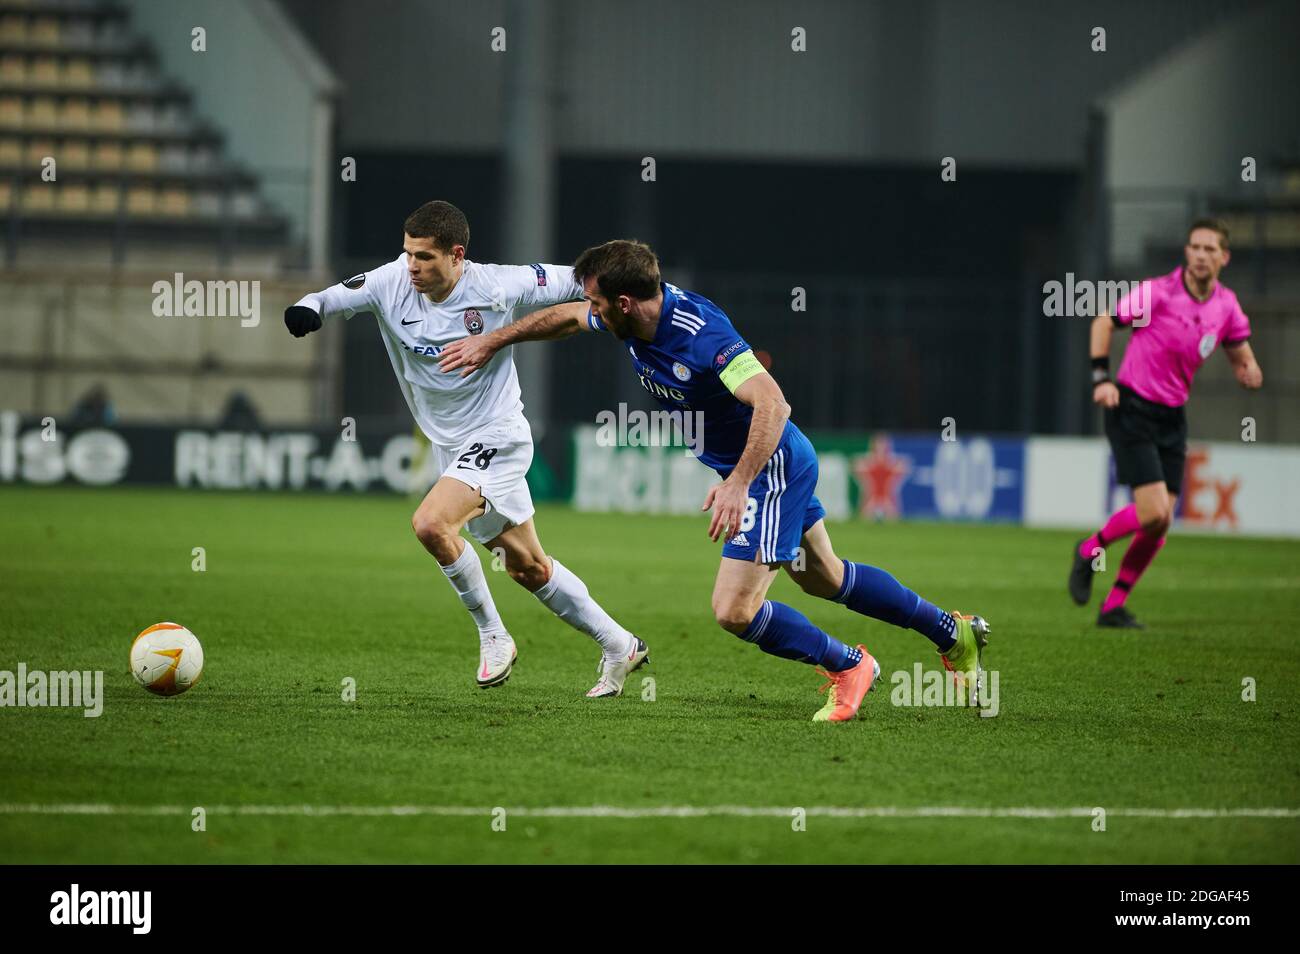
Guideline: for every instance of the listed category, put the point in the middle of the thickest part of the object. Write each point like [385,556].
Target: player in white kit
[426,298]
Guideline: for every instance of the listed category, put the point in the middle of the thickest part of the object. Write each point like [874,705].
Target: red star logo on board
[880,474]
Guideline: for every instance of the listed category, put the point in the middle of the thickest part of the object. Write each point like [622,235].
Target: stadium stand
[112,180]
[133,160]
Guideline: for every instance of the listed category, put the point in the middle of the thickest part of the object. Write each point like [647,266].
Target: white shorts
[495,462]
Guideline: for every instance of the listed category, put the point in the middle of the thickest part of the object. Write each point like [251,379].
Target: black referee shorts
[1149,440]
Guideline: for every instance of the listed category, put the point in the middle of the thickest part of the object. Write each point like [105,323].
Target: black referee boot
[1118,618]
[1081,577]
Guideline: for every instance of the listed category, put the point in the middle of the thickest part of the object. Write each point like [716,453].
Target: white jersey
[447,407]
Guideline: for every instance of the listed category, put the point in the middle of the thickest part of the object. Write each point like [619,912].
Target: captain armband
[740,369]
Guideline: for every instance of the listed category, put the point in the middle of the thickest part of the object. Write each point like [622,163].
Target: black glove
[301,320]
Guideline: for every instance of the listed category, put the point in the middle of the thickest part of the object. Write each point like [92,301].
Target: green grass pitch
[301,592]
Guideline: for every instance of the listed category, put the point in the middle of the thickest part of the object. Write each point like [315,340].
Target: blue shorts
[781,505]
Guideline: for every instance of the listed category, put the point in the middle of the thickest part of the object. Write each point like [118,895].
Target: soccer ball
[166,659]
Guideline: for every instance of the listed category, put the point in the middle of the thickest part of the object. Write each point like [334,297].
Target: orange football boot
[847,689]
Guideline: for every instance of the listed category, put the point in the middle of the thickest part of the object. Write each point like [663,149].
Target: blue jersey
[695,361]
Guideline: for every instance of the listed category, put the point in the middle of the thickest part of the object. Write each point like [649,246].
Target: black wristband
[1100,371]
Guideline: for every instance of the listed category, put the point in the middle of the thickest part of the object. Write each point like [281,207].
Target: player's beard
[618,327]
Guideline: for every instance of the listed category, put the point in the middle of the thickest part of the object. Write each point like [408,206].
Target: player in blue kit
[691,359]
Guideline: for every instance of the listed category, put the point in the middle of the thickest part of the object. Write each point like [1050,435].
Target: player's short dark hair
[1214,225]
[620,267]
[440,221]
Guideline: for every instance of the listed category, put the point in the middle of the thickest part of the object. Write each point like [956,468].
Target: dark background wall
[773,170]
[910,282]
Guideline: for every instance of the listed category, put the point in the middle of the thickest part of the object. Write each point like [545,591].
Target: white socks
[566,596]
[467,579]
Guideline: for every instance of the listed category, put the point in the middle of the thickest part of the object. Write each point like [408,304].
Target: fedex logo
[1211,497]
[1207,500]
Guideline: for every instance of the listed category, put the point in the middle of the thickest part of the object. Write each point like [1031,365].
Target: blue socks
[873,592]
[783,631]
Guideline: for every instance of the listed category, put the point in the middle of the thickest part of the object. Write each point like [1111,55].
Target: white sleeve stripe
[685,327]
[691,319]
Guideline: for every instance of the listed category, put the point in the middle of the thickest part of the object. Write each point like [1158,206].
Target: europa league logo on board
[473,321]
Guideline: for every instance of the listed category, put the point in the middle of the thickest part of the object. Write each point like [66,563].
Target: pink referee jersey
[1167,350]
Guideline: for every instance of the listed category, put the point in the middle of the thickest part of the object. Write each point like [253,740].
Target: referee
[1177,320]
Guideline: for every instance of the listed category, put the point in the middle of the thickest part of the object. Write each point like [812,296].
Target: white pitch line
[651,811]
